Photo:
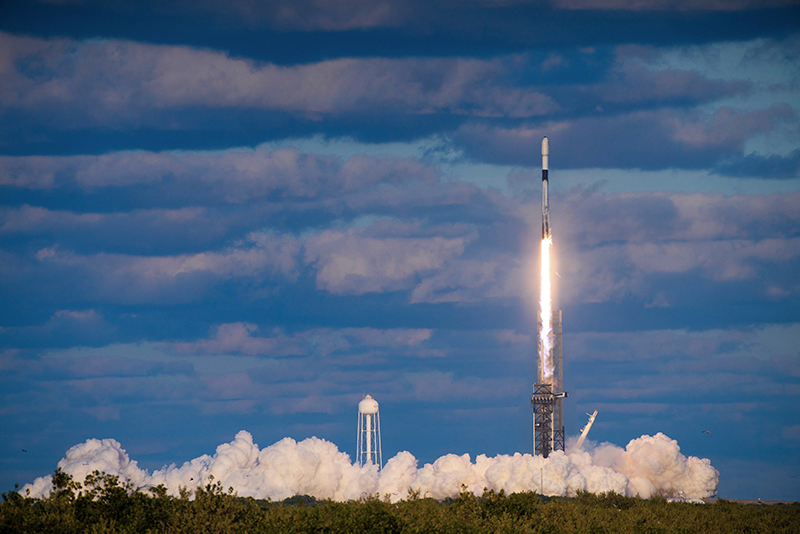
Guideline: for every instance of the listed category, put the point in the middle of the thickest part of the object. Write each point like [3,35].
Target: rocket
[545,194]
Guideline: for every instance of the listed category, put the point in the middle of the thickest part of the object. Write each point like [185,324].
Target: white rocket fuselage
[545,193]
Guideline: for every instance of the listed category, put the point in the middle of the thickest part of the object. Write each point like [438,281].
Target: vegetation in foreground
[103,505]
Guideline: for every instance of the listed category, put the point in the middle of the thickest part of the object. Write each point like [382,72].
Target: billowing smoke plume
[649,465]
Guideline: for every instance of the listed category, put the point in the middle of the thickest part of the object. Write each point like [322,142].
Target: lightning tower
[548,392]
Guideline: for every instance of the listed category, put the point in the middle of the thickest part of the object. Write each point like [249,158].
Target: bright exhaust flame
[546,317]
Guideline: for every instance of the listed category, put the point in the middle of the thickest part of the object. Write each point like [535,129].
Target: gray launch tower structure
[548,397]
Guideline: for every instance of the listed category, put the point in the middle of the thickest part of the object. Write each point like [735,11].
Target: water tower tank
[368,406]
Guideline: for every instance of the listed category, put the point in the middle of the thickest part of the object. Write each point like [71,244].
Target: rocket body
[545,193]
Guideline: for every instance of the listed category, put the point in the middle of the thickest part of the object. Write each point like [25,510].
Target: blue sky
[218,216]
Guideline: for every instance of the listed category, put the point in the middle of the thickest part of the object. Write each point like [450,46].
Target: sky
[240,215]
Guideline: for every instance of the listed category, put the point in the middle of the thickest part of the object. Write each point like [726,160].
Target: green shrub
[103,505]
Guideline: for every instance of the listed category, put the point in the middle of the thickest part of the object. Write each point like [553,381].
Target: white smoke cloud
[648,466]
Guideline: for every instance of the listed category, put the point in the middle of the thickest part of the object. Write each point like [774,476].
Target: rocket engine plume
[545,317]
[545,300]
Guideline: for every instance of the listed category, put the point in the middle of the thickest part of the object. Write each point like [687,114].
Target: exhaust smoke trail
[648,466]
[545,317]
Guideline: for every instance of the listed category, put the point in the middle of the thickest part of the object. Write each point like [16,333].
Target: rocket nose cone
[545,147]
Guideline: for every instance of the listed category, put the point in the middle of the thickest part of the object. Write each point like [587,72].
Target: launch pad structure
[548,391]
[548,398]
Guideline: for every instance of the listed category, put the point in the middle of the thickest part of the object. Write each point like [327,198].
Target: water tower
[368,450]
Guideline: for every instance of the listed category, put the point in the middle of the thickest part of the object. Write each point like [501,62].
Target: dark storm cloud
[775,167]
[66,328]
[145,231]
[129,279]
[396,29]
[637,79]
[100,363]
[672,5]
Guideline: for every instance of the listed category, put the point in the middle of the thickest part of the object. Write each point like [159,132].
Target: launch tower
[548,392]
[548,398]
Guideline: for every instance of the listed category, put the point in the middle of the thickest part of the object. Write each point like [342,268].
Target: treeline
[102,505]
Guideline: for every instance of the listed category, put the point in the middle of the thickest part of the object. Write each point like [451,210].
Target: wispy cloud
[122,82]
[672,5]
